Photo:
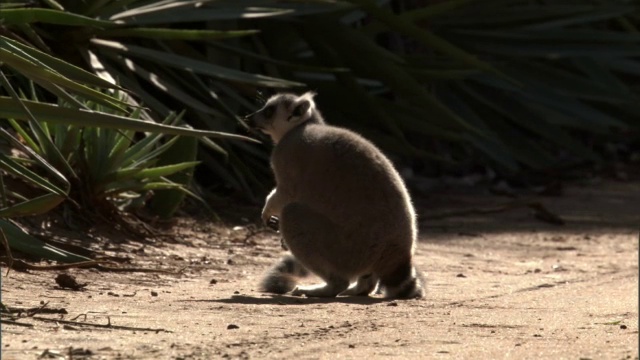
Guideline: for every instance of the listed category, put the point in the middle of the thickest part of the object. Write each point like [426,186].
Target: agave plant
[106,164]
[152,52]
[76,138]
[508,83]
[513,84]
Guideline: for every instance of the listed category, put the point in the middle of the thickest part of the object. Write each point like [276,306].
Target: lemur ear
[301,108]
[302,105]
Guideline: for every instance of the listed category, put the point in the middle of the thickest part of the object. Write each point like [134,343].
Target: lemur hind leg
[332,288]
[366,285]
[314,240]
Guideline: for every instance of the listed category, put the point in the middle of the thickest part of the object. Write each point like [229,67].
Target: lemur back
[343,209]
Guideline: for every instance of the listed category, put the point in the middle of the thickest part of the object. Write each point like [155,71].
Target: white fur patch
[309,95]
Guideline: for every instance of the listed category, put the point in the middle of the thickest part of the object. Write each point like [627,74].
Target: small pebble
[623,327]
[232,326]
[461,276]
[153,293]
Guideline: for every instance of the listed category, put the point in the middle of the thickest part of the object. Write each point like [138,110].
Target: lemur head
[283,112]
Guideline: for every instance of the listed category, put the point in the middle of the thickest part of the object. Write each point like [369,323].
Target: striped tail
[405,282]
[283,277]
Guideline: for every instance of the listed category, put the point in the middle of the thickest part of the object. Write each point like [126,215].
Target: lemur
[342,208]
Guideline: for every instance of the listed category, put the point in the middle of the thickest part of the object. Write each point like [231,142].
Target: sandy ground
[501,285]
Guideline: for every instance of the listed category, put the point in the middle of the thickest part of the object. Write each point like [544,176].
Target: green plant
[165,202]
[18,239]
[511,84]
[79,139]
[148,48]
[102,170]
[104,166]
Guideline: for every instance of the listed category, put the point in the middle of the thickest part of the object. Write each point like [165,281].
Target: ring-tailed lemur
[343,210]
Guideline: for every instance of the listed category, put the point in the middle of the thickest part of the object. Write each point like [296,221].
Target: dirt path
[499,286]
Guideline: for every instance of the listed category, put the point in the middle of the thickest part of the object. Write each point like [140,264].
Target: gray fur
[343,210]
[283,277]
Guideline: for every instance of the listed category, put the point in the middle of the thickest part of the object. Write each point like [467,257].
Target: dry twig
[107,326]
[11,322]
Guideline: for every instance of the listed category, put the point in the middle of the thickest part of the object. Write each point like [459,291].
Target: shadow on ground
[293,300]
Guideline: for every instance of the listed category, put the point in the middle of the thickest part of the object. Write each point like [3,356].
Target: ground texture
[500,285]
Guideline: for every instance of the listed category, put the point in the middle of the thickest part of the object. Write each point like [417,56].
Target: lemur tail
[283,277]
[405,282]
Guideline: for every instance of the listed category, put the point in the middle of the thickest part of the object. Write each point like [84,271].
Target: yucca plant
[77,139]
[107,164]
[40,194]
[147,47]
[104,171]
[511,84]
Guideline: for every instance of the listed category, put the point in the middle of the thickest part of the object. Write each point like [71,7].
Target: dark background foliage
[501,87]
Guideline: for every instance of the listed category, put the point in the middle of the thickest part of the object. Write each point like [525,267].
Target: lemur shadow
[294,300]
